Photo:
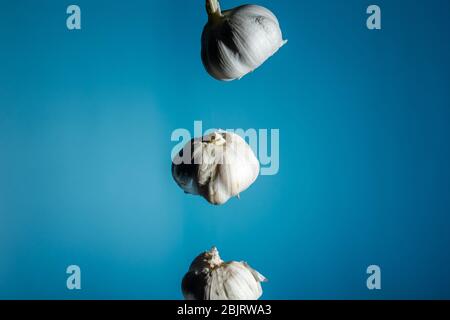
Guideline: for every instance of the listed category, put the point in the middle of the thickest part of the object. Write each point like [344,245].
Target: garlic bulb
[237,41]
[217,166]
[210,278]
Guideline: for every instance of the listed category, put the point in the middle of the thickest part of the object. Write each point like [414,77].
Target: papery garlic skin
[237,41]
[210,278]
[220,166]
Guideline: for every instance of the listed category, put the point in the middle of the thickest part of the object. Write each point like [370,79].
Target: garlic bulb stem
[215,260]
[213,9]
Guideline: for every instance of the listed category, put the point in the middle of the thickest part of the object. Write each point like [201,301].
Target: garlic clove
[221,165]
[209,278]
[235,281]
[237,41]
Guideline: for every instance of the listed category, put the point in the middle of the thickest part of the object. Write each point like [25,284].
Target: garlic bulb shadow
[217,167]
[237,41]
[210,278]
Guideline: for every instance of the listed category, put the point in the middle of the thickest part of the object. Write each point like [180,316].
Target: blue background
[85,124]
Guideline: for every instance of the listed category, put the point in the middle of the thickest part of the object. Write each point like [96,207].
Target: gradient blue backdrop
[85,124]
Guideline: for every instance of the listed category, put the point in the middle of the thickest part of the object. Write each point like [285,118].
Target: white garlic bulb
[210,278]
[237,41]
[217,166]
